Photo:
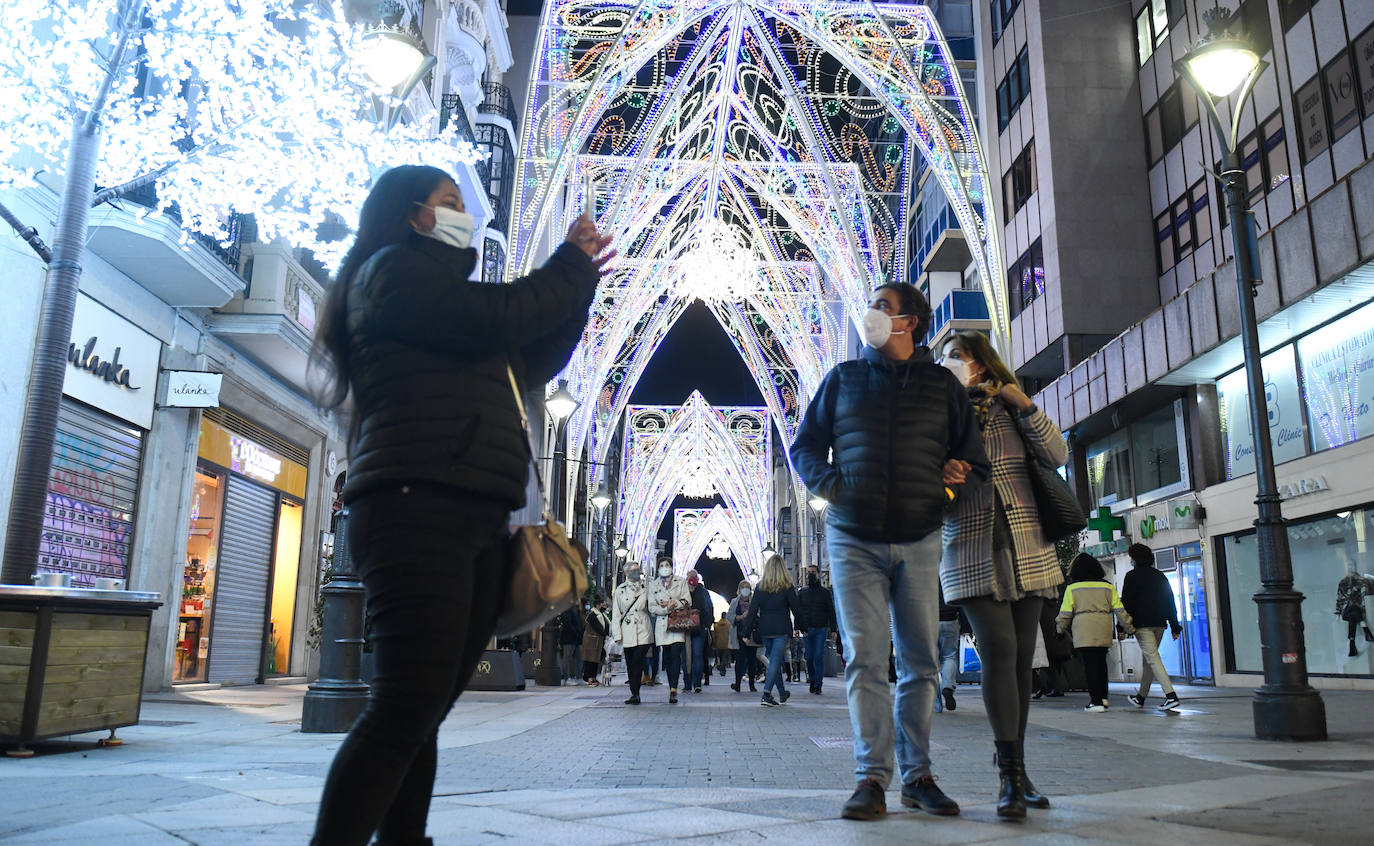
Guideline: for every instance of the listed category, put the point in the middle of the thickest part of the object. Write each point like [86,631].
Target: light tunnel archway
[791,126]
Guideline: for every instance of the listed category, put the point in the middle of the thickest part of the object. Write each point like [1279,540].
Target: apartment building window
[1144,461]
[1013,89]
[1026,278]
[1002,10]
[1264,158]
[1291,11]
[1170,119]
[1019,183]
[1254,23]
[1152,25]
[1183,227]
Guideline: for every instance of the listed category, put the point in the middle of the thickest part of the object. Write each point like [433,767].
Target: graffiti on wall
[88,521]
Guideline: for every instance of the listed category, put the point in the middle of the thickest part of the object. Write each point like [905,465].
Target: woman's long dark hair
[384,220]
[1086,568]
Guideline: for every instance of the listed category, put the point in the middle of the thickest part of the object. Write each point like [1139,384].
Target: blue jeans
[888,594]
[774,647]
[814,647]
[697,641]
[949,658]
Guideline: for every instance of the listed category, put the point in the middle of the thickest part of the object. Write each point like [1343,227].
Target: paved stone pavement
[574,766]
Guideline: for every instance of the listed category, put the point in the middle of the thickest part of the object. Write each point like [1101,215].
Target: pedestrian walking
[772,621]
[427,359]
[1148,598]
[997,565]
[1058,651]
[745,651]
[632,627]
[668,593]
[949,656]
[817,622]
[1090,604]
[696,639]
[570,633]
[720,642]
[597,627]
[890,419]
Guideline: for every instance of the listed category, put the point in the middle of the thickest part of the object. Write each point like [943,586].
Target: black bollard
[339,695]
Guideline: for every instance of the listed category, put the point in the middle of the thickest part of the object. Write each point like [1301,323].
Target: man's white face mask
[877,327]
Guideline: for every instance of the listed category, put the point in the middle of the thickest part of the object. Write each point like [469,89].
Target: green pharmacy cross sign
[1106,525]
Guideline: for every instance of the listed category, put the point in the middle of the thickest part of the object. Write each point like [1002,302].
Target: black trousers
[1095,668]
[1006,646]
[433,566]
[634,665]
[672,663]
[746,662]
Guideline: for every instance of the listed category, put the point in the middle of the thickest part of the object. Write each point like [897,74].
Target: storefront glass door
[285,569]
[1189,659]
[198,577]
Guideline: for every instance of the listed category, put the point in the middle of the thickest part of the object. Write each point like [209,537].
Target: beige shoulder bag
[546,574]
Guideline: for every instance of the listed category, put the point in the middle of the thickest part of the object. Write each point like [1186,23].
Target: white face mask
[877,327]
[451,227]
[958,367]
[664,572]
[745,593]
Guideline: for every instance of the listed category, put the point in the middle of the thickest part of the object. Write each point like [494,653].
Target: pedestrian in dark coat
[772,620]
[437,461]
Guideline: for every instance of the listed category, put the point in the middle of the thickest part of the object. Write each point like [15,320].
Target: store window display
[1333,567]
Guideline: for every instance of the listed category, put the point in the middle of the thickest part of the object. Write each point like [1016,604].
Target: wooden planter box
[71,660]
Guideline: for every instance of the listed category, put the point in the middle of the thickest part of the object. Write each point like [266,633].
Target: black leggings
[1095,670]
[746,659]
[672,663]
[634,665]
[1006,647]
[433,568]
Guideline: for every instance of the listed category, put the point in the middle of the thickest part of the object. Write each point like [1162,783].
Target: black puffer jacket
[891,425]
[428,365]
[817,608]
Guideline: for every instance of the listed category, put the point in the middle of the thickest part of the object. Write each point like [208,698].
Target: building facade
[189,459]
[1142,367]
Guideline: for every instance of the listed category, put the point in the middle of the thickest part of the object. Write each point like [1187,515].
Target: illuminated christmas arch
[696,450]
[717,532]
[758,155]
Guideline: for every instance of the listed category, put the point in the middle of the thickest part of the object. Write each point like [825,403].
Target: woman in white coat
[668,593]
[631,625]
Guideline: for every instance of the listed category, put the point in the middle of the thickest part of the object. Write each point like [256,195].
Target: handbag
[545,574]
[684,620]
[1055,502]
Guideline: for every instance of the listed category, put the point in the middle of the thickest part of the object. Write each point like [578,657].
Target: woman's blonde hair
[775,575]
[976,345]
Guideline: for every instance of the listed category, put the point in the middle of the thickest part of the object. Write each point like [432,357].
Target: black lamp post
[560,405]
[1286,707]
[339,695]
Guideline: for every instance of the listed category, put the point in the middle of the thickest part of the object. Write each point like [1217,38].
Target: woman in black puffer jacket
[437,461]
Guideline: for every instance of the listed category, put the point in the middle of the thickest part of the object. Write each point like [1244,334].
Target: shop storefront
[105,413]
[239,584]
[1319,398]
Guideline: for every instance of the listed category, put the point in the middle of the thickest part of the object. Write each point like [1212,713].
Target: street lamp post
[1286,707]
[393,59]
[560,405]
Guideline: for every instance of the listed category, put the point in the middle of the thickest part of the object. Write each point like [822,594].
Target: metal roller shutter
[92,492]
[245,563]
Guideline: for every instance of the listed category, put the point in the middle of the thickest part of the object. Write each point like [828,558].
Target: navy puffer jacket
[890,426]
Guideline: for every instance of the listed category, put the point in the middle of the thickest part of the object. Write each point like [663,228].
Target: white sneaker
[1095,709]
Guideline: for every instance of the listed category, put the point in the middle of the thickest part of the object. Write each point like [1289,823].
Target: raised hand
[584,235]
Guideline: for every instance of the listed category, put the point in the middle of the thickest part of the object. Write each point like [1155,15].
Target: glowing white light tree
[666,445]
[757,155]
[254,106]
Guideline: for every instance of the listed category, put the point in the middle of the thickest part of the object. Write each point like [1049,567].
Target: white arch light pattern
[715,531]
[669,446]
[793,123]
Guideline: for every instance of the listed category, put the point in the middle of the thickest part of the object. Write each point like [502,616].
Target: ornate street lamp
[392,58]
[561,403]
[601,498]
[818,503]
[1286,707]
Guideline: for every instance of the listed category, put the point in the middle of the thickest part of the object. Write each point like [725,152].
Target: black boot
[1011,800]
[1034,798]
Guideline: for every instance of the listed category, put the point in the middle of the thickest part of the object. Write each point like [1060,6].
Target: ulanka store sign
[110,362]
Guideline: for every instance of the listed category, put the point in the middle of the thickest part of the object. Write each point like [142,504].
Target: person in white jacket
[631,625]
[669,593]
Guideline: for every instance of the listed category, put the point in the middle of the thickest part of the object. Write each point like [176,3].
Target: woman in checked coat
[997,565]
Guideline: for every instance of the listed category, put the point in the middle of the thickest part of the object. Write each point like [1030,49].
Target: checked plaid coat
[966,566]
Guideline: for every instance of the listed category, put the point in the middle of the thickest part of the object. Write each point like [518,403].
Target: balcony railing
[496,100]
[966,307]
[242,229]
[500,214]
[451,109]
